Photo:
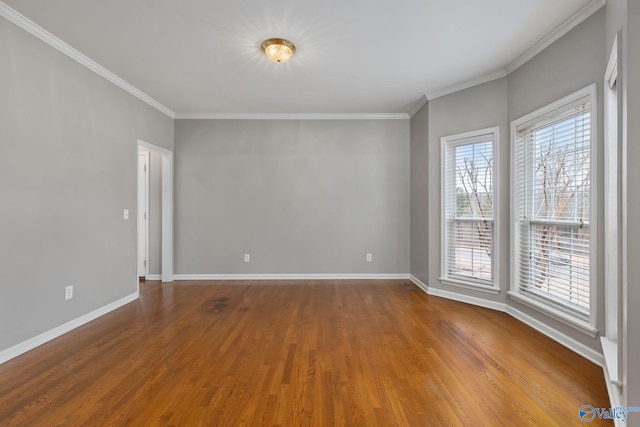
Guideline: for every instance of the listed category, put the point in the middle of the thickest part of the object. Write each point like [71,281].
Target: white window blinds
[552,196]
[468,217]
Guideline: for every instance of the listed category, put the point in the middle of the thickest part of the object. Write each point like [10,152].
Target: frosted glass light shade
[278,50]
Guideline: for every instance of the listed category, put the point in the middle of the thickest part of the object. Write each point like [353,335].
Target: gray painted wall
[420,194]
[478,107]
[301,196]
[574,61]
[155,212]
[68,150]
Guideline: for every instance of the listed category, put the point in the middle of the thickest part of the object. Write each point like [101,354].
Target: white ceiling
[353,56]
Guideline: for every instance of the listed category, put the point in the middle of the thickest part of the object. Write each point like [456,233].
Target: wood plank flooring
[310,353]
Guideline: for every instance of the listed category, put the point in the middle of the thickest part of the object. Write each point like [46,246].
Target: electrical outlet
[68,292]
[247,258]
[369,258]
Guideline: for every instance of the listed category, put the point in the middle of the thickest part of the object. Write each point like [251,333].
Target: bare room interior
[319,213]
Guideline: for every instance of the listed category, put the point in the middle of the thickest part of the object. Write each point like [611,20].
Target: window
[553,199]
[468,218]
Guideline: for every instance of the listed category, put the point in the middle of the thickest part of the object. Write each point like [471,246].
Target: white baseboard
[576,346]
[584,351]
[467,299]
[44,337]
[419,283]
[153,277]
[458,297]
[289,276]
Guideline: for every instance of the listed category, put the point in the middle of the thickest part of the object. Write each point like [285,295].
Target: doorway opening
[155,213]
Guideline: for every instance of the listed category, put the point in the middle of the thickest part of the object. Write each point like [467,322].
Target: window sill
[561,316]
[470,285]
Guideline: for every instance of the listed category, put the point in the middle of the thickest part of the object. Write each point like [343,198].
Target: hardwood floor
[299,353]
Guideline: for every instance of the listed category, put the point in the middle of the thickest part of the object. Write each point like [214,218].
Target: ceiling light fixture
[278,50]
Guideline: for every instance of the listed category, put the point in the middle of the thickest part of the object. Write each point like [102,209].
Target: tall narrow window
[553,199]
[468,200]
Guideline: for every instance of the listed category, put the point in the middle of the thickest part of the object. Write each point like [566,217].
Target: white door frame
[145,209]
[167,208]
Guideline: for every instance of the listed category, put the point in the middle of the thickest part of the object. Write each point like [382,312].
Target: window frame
[586,326]
[446,142]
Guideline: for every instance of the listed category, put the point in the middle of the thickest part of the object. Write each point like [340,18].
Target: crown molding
[31,27]
[419,104]
[34,29]
[589,9]
[467,84]
[292,116]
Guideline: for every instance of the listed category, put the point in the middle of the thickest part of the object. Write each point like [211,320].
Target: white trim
[611,73]
[419,104]
[576,19]
[550,311]
[615,399]
[152,147]
[469,138]
[147,177]
[167,209]
[584,351]
[419,283]
[454,296]
[467,84]
[592,7]
[289,276]
[610,353]
[292,116]
[154,277]
[560,103]
[34,29]
[146,209]
[31,27]
[590,327]
[495,289]
[614,233]
[167,217]
[477,134]
[44,337]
